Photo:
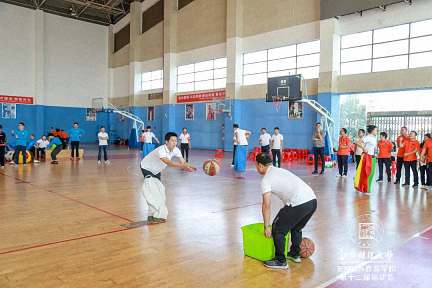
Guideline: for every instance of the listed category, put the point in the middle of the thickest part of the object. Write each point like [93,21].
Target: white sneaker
[107,162]
[99,162]
[36,161]
[344,176]
[338,176]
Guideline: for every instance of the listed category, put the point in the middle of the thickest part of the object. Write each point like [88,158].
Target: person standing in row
[277,147]
[75,135]
[365,172]
[264,141]
[185,144]
[241,138]
[21,139]
[103,145]
[343,153]
[400,143]
[426,155]
[411,148]
[384,157]
[358,143]
[3,141]
[318,148]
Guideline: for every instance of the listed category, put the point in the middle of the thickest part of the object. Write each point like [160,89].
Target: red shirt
[385,148]
[401,150]
[428,147]
[344,141]
[410,146]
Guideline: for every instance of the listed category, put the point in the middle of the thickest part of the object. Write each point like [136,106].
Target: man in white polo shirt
[241,138]
[277,147]
[300,204]
[151,167]
[264,141]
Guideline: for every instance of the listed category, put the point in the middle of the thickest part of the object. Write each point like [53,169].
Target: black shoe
[314,172]
[415,186]
[405,184]
[379,180]
[397,182]
[322,172]
[389,180]
[275,264]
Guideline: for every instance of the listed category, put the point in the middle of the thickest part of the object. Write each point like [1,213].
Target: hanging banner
[16,99]
[201,97]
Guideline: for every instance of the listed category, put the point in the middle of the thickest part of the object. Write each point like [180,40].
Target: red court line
[63,241]
[69,198]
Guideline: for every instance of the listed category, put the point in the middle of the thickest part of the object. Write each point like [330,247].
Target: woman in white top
[41,146]
[103,145]
[185,144]
[241,137]
[277,147]
[359,143]
[148,141]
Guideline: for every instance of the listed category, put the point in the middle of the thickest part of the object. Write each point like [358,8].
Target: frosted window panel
[220,63]
[420,60]
[255,68]
[282,64]
[356,53]
[390,63]
[205,75]
[186,78]
[157,84]
[308,48]
[146,76]
[255,79]
[309,73]
[356,67]
[281,73]
[219,83]
[158,74]
[421,44]
[308,60]
[185,69]
[391,33]
[204,85]
[255,57]
[357,39]
[146,85]
[220,73]
[185,87]
[202,66]
[421,28]
[390,49]
[282,52]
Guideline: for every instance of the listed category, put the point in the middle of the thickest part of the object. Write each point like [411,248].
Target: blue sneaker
[275,264]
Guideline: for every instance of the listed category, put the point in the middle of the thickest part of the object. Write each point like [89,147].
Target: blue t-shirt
[21,137]
[31,144]
[75,134]
[54,141]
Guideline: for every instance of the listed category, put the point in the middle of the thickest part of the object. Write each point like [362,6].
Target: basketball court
[75,71]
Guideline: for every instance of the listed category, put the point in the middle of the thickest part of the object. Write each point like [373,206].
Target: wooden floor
[60,226]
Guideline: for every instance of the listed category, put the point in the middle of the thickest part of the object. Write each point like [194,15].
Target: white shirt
[184,138]
[153,163]
[359,150]
[370,143]
[277,139]
[265,139]
[241,134]
[103,142]
[42,144]
[148,137]
[288,187]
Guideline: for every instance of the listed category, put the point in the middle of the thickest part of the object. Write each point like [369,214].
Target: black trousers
[2,155]
[75,148]
[423,175]
[104,149]
[343,164]
[413,166]
[276,153]
[381,163]
[32,151]
[399,165]
[429,174]
[234,151]
[40,153]
[291,219]
[18,149]
[319,152]
[265,149]
[55,152]
[148,173]
[357,160]
[184,147]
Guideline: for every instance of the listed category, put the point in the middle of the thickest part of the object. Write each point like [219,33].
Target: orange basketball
[307,248]
[211,167]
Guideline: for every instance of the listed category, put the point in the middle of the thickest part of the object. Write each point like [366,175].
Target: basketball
[9,156]
[307,248]
[211,167]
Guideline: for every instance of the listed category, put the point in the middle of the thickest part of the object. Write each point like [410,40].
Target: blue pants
[240,158]
[147,148]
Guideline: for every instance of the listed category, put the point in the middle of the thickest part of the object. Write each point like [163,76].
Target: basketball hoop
[277,101]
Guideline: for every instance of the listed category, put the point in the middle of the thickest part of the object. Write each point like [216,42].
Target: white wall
[119,79]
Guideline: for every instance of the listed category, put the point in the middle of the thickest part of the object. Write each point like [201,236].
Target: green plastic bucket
[256,245]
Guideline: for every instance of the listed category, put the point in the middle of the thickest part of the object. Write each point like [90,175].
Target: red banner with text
[16,99]
[201,96]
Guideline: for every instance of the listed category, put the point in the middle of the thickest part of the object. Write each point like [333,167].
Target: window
[392,48]
[206,75]
[303,58]
[152,80]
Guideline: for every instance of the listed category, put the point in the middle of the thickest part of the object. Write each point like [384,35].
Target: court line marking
[69,198]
